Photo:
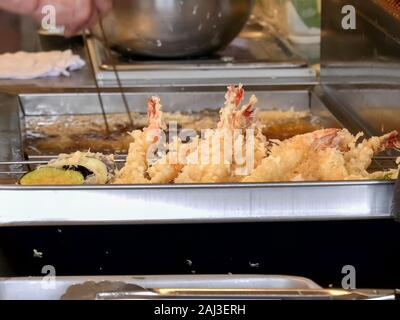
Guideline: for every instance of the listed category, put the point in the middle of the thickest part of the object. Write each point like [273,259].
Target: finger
[20,6]
[93,20]
[104,6]
[81,14]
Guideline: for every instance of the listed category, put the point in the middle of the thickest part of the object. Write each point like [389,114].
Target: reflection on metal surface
[395,208]
[243,294]
[266,287]
[378,109]
[10,138]
[175,28]
[74,287]
[370,53]
[195,203]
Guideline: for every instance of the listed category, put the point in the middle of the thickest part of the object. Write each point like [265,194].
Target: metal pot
[174,28]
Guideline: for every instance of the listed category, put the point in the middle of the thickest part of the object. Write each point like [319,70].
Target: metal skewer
[119,83]
[96,83]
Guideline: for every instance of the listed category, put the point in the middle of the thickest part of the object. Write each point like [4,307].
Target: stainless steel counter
[23,35]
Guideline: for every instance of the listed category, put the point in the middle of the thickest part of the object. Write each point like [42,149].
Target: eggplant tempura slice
[95,167]
[51,176]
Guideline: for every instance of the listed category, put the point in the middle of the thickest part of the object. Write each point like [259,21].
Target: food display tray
[139,204]
[176,287]
[34,288]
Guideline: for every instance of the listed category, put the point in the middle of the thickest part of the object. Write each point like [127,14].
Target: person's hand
[19,6]
[74,15]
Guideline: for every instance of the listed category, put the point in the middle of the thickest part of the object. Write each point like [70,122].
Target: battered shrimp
[251,143]
[359,157]
[212,160]
[327,163]
[168,168]
[238,147]
[141,150]
[347,160]
[321,165]
[285,156]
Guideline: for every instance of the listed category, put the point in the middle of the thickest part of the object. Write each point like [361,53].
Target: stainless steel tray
[23,206]
[376,108]
[38,289]
[183,99]
[185,203]
[186,287]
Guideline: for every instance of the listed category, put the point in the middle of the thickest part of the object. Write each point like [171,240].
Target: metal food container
[212,287]
[171,29]
[377,109]
[17,288]
[111,204]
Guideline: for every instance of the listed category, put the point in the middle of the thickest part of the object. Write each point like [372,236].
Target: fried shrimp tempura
[212,160]
[168,167]
[183,161]
[237,151]
[329,154]
[137,162]
[285,156]
[351,161]
[251,141]
[359,157]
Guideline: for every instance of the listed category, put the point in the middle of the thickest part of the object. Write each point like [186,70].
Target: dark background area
[316,250]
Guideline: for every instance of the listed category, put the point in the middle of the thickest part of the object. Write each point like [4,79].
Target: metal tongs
[242,294]
[121,291]
[119,83]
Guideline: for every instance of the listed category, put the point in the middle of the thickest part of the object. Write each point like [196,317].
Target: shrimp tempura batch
[230,155]
[236,151]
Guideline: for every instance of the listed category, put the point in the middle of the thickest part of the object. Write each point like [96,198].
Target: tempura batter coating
[137,162]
